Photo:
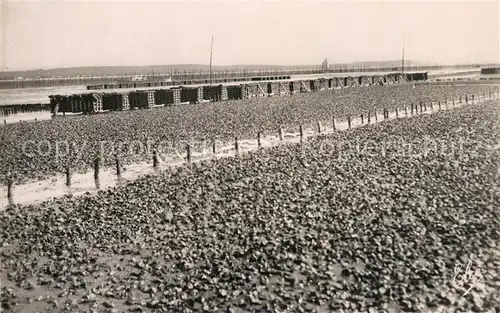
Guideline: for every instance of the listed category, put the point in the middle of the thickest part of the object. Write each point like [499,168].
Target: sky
[50,34]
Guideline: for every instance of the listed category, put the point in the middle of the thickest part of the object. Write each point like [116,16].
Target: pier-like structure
[144,94]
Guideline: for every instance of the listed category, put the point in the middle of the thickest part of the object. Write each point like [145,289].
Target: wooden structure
[490,70]
[144,99]
[164,83]
[6,110]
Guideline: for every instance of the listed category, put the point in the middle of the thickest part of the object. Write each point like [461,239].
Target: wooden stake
[9,188]
[258,140]
[319,127]
[188,152]
[155,158]
[68,176]
[236,145]
[117,164]
[280,132]
[333,122]
[349,121]
[362,119]
[301,131]
[214,151]
[96,167]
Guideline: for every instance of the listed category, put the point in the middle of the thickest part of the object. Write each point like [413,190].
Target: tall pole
[211,49]
[403,59]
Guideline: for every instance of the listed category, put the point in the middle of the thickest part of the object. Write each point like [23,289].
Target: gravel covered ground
[298,228]
[29,149]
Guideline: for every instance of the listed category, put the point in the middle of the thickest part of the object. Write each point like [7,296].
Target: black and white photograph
[249,156]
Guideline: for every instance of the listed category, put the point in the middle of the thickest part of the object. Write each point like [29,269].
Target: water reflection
[25,117]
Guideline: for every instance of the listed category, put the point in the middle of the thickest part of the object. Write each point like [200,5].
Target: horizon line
[358,63]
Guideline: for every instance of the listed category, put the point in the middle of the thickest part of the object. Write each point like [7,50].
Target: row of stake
[422,105]
[414,109]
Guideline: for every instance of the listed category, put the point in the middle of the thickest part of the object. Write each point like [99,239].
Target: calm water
[35,95]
